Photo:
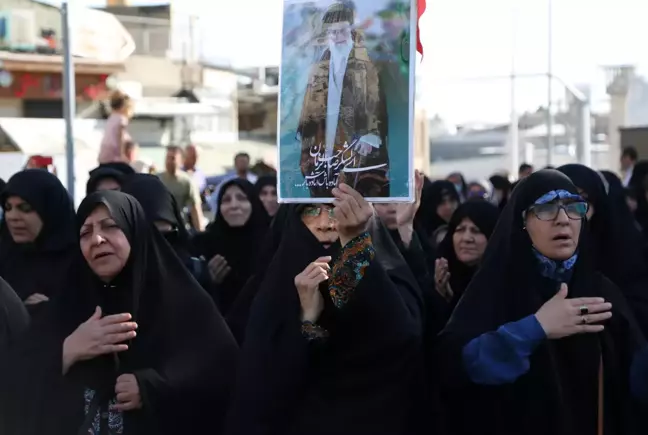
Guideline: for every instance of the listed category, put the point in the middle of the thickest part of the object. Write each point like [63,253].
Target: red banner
[420,10]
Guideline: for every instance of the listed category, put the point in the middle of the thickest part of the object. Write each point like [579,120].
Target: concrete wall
[158,75]
[619,79]
[10,108]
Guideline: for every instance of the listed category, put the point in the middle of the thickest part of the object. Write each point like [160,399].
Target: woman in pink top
[115,134]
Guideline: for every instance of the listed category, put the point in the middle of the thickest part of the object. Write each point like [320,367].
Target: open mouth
[102,255]
[562,238]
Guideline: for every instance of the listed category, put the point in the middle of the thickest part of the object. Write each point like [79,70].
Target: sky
[469,46]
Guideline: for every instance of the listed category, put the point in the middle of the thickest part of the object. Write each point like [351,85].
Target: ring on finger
[584,310]
[584,320]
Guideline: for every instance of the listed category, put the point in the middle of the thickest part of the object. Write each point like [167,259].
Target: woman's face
[104,245]
[554,228]
[107,184]
[476,190]
[387,215]
[447,207]
[469,242]
[235,207]
[23,223]
[455,179]
[320,221]
[268,197]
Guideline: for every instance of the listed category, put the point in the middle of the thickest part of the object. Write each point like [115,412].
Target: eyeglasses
[313,211]
[548,212]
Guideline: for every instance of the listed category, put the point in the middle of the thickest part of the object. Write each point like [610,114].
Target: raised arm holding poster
[346,99]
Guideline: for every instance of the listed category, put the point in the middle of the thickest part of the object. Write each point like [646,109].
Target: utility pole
[550,138]
[69,98]
[514,122]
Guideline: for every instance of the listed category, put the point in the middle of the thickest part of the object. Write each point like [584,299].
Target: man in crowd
[191,168]
[242,167]
[182,187]
[525,170]
[131,149]
[629,157]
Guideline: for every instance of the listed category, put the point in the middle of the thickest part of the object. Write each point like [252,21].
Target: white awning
[37,136]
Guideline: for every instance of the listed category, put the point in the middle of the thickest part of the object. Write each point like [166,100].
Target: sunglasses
[548,212]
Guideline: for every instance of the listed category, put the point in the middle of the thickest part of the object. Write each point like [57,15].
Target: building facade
[176,102]
[31,65]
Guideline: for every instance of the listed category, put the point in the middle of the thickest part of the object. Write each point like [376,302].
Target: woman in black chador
[38,241]
[162,211]
[142,347]
[229,243]
[333,341]
[463,247]
[541,343]
[614,242]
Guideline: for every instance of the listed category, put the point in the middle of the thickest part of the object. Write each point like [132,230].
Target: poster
[346,103]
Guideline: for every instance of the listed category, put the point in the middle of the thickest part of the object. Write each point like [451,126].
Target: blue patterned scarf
[559,271]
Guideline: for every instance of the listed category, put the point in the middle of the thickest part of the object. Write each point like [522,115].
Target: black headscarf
[284,388]
[181,336]
[236,245]
[14,324]
[618,197]
[100,174]
[502,184]
[616,191]
[558,394]
[237,317]
[266,180]
[122,167]
[484,215]
[615,243]
[637,184]
[159,205]
[431,197]
[462,189]
[14,319]
[44,265]
[3,183]
[263,181]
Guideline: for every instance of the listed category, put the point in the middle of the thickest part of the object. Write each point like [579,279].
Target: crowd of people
[499,308]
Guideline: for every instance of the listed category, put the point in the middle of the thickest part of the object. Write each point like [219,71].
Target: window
[43,109]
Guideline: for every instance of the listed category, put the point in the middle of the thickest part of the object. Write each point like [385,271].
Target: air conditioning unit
[18,30]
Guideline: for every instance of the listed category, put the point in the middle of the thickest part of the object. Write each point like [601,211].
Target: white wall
[10,108]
